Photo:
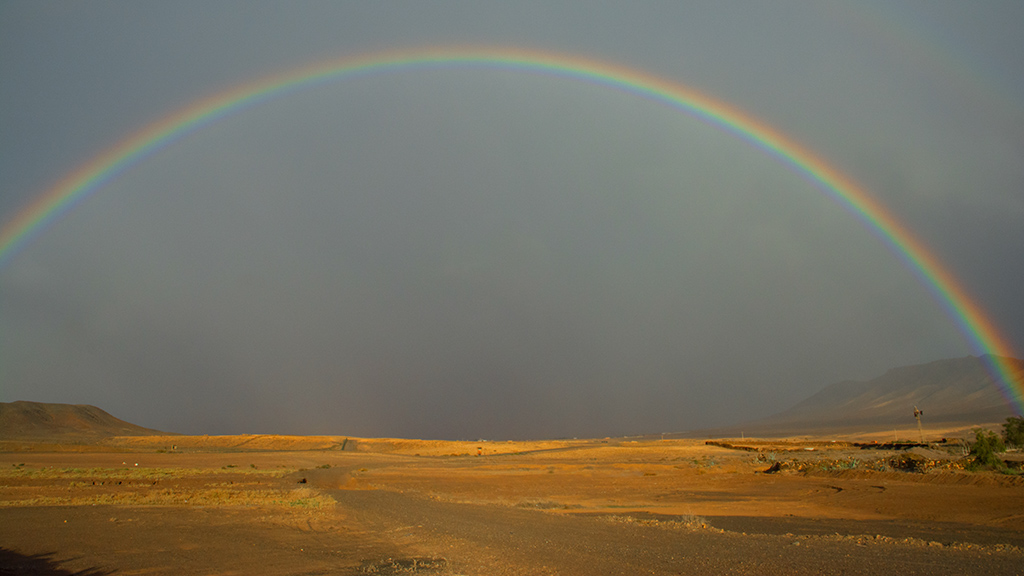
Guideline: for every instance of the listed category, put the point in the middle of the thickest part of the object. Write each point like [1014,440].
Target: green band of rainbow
[968,316]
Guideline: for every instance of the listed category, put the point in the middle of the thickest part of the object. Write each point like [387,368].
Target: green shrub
[1013,431]
[986,445]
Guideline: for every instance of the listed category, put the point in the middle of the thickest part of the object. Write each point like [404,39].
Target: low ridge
[952,391]
[23,420]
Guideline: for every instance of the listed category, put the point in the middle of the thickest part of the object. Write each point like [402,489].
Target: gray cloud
[483,253]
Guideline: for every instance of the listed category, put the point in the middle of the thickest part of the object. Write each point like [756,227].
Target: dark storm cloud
[485,253]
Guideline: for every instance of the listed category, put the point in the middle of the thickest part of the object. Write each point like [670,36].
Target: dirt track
[374,526]
[488,539]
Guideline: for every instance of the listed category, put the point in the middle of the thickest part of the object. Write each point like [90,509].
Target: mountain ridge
[953,391]
[949,391]
[25,420]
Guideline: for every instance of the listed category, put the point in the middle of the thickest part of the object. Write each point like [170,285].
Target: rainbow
[972,322]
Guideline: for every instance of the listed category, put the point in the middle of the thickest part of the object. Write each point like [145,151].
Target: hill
[41,421]
[957,391]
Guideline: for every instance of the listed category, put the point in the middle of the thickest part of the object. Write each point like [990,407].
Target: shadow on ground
[12,562]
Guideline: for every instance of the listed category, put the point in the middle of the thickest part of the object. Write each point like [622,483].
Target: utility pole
[917,414]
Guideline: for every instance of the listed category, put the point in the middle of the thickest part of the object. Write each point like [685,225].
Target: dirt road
[490,539]
[374,531]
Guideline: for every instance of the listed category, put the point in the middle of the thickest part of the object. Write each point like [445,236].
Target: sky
[486,253]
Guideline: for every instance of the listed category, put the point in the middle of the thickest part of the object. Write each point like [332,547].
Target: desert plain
[263,504]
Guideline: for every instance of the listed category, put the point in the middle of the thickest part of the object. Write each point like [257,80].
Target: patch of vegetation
[837,465]
[904,462]
[403,565]
[1013,431]
[686,522]
[540,504]
[911,462]
[693,521]
[986,445]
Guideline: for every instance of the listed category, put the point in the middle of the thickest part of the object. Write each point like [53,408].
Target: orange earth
[261,504]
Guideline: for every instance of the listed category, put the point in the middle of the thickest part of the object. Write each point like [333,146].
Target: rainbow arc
[971,320]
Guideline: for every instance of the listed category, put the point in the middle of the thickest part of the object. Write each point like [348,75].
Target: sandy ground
[334,505]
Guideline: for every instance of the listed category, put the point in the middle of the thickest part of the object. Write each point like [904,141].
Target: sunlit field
[390,504]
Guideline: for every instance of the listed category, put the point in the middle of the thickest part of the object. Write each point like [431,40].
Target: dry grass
[142,486]
[683,522]
[202,497]
[274,442]
[132,473]
[232,443]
